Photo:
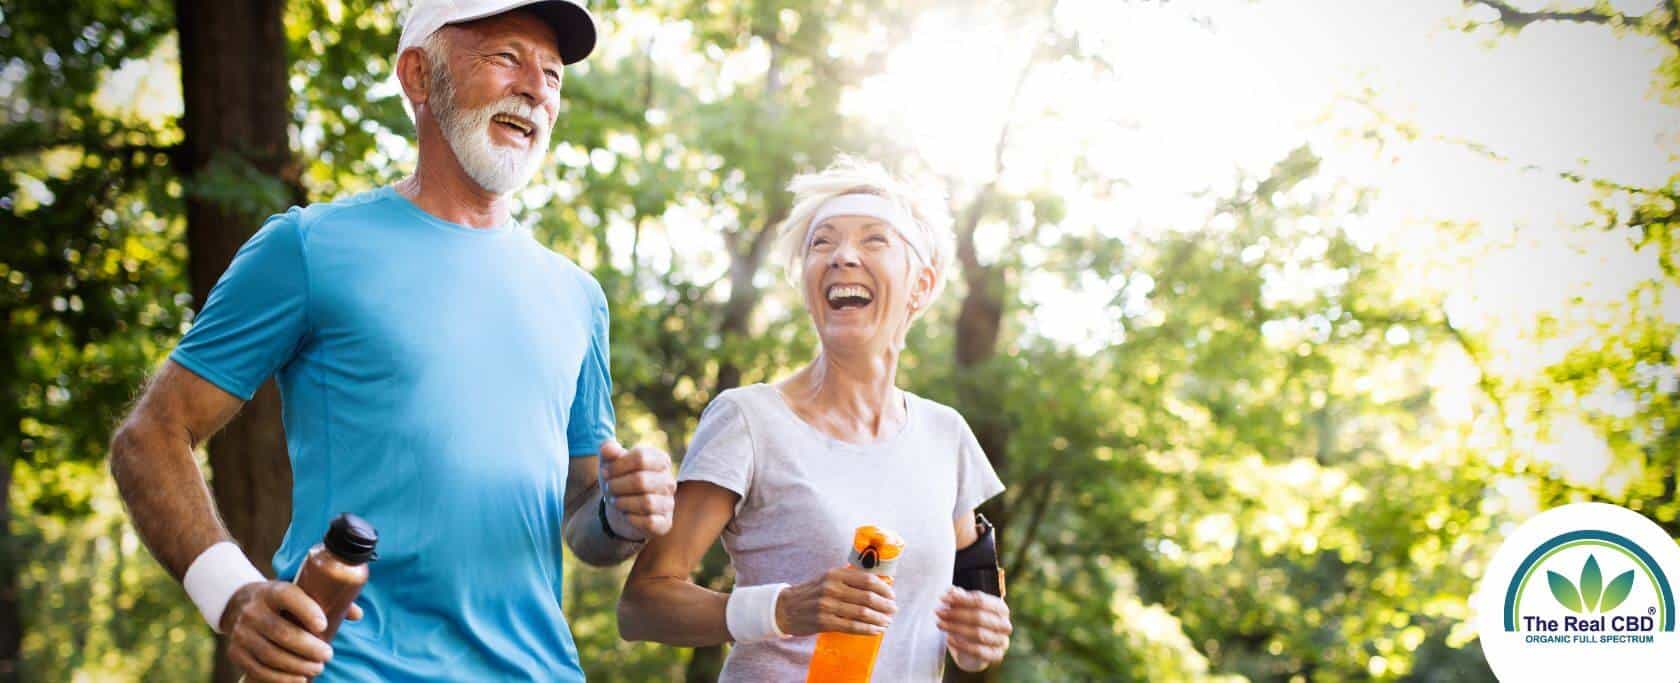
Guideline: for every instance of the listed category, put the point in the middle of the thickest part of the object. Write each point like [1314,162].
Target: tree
[1629,351]
[80,309]
[233,77]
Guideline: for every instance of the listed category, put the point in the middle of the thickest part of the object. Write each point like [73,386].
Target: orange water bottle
[847,657]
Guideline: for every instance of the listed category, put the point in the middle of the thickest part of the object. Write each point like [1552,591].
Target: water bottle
[848,657]
[336,568]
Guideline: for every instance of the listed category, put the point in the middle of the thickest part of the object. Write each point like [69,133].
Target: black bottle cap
[352,539]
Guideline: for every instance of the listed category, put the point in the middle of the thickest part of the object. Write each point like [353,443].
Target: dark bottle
[336,568]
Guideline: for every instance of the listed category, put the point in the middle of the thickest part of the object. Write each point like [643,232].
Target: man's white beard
[496,168]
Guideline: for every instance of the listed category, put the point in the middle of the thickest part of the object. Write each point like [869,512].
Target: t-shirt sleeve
[592,420]
[977,482]
[257,315]
[721,451]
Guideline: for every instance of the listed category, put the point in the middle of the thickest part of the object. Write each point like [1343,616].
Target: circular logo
[1582,592]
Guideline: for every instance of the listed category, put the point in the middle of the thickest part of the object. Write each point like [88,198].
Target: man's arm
[152,461]
[639,489]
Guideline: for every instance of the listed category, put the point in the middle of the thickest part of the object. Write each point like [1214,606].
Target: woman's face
[859,283]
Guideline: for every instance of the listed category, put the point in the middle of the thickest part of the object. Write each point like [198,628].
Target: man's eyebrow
[545,57]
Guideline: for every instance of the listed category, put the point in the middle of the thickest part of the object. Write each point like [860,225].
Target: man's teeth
[516,123]
[844,291]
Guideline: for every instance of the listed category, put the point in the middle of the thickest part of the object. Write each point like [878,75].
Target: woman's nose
[844,255]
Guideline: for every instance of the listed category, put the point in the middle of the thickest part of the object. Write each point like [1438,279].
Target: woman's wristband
[212,579]
[751,613]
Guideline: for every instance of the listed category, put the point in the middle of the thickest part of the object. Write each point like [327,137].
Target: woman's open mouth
[848,296]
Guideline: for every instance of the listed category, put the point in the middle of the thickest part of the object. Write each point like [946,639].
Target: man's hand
[976,627]
[637,484]
[265,638]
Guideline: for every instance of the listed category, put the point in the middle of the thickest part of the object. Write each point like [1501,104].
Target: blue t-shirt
[434,379]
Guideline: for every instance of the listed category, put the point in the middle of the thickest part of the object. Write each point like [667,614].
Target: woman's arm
[660,602]
[976,624]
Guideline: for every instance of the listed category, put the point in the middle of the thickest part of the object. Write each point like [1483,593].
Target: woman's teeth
[843,296]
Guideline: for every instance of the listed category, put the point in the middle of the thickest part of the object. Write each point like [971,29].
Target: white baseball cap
[572,24]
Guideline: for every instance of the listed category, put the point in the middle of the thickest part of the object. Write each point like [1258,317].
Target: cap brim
[574,28]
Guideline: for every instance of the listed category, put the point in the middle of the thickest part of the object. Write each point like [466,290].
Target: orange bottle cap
[886,544]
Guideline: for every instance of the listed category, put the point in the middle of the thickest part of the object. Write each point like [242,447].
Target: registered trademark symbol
[1651,610]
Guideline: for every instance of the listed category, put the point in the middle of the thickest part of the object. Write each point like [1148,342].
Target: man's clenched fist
[638,487]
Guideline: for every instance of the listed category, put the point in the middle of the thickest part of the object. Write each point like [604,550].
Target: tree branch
[1517,19]
[1651,23]
[1047,490]
[1484,381]
[90,145]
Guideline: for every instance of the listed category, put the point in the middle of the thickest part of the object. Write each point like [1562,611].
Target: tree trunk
[11,624]
[978,326]
[706,663]
[252,483]
[233,84]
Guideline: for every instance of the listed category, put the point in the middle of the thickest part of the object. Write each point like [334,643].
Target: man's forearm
[588,539]
[166,495]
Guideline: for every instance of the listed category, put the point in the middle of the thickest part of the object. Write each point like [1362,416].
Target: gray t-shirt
[803,493]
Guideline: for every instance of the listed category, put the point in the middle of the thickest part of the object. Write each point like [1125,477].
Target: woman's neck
[852,397]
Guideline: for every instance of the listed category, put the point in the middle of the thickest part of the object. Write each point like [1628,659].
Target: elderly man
[437,367]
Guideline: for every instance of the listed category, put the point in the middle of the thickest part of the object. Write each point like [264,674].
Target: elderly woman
[785,472]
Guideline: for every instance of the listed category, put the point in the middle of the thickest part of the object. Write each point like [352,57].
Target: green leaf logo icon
[1593,595]
[1564,591]
[1617,591]
[1592,583]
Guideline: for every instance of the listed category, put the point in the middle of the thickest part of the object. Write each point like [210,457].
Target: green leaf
[1617,591]
[1564,591]
[1592,583]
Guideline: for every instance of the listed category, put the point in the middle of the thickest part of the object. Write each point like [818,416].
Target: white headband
[873,206]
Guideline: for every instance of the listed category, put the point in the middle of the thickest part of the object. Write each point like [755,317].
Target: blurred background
[1273,315]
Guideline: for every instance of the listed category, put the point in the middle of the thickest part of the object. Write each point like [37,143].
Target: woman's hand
[844,600]
[976,627]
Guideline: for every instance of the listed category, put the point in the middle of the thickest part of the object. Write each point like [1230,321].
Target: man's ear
[412,72]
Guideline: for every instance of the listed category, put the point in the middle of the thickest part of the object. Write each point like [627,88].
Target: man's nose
[531,83]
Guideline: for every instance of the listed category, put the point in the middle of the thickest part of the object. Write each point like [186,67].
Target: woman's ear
[923,288]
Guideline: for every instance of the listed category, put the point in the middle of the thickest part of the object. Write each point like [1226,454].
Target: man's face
[496,95]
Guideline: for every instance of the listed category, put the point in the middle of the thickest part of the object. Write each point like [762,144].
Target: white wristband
[751,613]
[213,578]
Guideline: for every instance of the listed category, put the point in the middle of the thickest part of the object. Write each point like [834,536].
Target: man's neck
[443,189]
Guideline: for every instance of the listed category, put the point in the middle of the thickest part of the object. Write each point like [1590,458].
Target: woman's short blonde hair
[851,175]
